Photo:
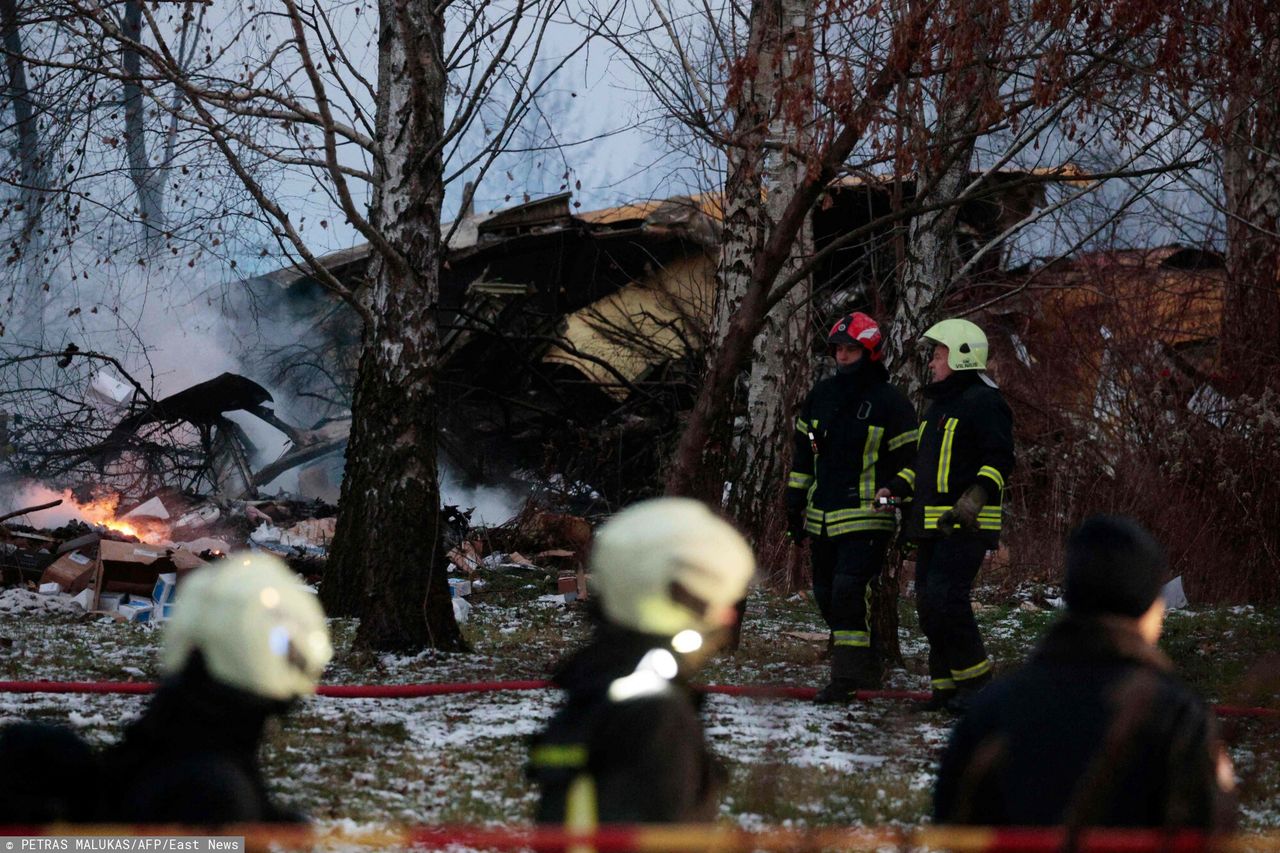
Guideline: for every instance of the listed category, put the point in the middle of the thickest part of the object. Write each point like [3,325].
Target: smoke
[34,494]
[493,504]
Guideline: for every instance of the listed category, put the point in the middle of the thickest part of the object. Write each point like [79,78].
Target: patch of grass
[92,648]
[462,760]
[816,796]
[513,586]
[1223,652]
[1010,632]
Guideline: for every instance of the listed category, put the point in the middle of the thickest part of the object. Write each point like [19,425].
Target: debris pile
[558,543]
[127,557]
[135,581]
[17,601]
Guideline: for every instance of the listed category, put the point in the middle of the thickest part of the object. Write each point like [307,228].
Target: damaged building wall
[616,340]
[570,340]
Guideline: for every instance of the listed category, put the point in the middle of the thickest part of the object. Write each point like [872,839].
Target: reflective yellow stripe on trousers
[580,810]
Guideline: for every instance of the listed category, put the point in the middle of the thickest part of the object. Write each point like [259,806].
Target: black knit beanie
[1113,566]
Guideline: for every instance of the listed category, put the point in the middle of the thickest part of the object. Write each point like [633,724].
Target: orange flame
[102,512]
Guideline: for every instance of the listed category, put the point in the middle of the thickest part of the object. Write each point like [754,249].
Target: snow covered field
[459,758]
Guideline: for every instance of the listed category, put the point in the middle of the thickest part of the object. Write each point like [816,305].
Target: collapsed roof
[549,316]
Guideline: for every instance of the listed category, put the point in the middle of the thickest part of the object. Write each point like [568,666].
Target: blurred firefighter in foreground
[246,641]
[964,454]
[48,774]
[628,744]
[854,432]
[1095,730]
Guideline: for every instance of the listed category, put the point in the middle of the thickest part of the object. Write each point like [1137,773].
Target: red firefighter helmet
[858,329]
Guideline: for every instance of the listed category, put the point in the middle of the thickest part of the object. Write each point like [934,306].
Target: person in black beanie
[1094,730]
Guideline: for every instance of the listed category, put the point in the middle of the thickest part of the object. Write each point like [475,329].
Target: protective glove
[964,514]
[795,527]
[885,507]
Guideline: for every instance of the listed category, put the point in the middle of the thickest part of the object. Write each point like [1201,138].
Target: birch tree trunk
[28,154]
[148,180]
[387,564]
[932,252]
[764,177]
[1250,336]
[698,462]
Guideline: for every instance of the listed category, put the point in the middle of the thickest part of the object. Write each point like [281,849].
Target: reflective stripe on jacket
[854,431]
[965,438]
[623,756]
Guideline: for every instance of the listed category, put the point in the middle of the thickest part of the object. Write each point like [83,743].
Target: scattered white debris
[23,602]
[311,536]
[1175,597]
[461,610]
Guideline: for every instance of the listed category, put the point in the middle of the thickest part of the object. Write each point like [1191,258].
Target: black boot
[835,693]
[939,701]
[965,692]
[853,668]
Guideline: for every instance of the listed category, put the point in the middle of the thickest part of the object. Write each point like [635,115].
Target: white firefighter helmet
[966,343]
[669,565]
[256,625]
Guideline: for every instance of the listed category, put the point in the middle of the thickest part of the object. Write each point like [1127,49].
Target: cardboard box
[166,583]
[51,588]
[72,571]
[133,568]
[459,587]
[110,390]
[111,601]
[567,585]
[109,566]
[162,612]
[136,611]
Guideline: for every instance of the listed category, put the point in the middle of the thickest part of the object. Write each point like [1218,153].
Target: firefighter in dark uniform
[246,641]
[1095,730]
[854,432]
[964,455]
[627,746]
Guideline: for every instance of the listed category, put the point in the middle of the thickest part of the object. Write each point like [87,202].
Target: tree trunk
[762,180]
[698,456]
[1250,337]
[32,182]
[148,180]
[932,252]
[387,564]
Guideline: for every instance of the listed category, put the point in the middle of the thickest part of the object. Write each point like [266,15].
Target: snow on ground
[460,757]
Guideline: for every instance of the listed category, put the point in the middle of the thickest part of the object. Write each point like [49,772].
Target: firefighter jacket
[1094,730]
[965,439]
[48,774]
[192,757]
[627,747]
[854,432]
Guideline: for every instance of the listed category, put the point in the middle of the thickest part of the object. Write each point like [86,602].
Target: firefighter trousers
[844,570]
[945,571]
